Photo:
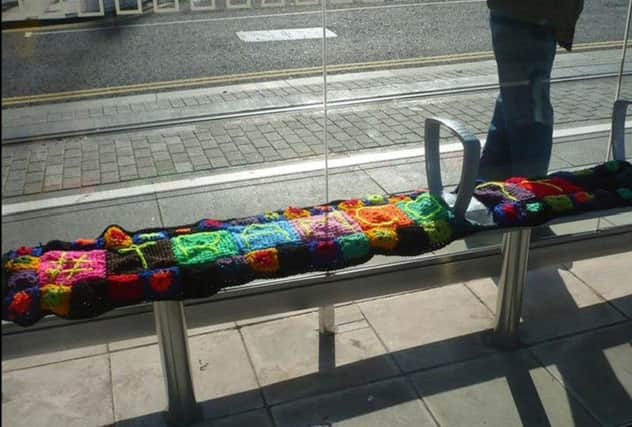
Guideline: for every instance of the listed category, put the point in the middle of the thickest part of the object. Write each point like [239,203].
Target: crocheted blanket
[87,277]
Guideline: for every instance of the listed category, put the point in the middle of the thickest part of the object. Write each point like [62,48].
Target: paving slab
[292,361]
[555,303]
[72,393]
[595,367]
[245,141]
[432,327]
[50,357]
[609,277]
[509,389]
[257,418]
[223,385]
[390,403]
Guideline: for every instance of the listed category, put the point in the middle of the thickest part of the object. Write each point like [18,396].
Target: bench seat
[88,277]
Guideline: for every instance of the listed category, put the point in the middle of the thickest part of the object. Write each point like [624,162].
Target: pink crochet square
[325,227]
[68,267]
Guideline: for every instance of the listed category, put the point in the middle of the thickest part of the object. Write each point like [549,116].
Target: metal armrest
[618,128]
[469,170]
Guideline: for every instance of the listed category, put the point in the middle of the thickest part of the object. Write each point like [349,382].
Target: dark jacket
[560,15]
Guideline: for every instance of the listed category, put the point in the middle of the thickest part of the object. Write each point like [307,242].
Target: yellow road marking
[57,96]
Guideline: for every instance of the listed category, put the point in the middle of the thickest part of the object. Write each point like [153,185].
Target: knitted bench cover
[87,277]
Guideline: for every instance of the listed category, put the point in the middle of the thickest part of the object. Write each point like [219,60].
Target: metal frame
[272,3]
[81,14]
[158,9]
[325,290]
[137,11]
[231,5]
[195,8]
[171,329]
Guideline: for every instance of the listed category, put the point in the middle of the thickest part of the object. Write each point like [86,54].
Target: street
[150,48]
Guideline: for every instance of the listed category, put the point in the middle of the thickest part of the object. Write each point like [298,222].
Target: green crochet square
[425,208]
[199,248]
[354,246]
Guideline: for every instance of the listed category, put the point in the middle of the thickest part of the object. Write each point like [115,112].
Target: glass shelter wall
[182,94]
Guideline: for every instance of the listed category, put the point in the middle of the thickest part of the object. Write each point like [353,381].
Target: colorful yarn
[382,239]
[23,262]
[263,260]
[267,235]
[375,199]
[325,253]
[425,208]
[325,227]
[294,213]
[162,284]
[68,267]
[23,307]
[115,238]
[203,247]
[125,289]
[23,279]
[56,299]
[562,203]
[439,232]
[354,247]
[385,216]
[87,277]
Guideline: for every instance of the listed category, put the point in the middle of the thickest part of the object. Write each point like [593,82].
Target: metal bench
[516,255]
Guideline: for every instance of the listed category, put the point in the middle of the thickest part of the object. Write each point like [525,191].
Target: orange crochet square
[56,299]
[263,260]
[385,216]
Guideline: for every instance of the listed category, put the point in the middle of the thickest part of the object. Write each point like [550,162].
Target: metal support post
[515,250]
[327,319]
[182,409]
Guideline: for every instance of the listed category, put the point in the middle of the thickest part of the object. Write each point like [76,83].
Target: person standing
[525,34]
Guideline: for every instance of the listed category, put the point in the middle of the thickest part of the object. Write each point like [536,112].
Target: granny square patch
[140,256]
[68,267]
[89,298]
[203,247]
[125,289]
[23,279]
[325,227]
[86,277]
[355,248]
[426,207]
[162,284]
[385,216]
[253,237]
[22,307]
[56,299]
[23,262]
[264,261]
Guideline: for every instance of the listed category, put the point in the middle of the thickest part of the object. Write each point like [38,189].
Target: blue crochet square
[257,236]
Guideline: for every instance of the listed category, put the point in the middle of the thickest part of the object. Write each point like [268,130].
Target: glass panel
[394,65]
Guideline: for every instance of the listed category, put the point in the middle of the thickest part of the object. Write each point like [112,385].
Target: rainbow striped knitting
[88,277]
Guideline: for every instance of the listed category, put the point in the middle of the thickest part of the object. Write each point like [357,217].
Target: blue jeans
[520,136]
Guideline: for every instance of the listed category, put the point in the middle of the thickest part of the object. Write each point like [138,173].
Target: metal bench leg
[515,249]
[182,409]
[327,319]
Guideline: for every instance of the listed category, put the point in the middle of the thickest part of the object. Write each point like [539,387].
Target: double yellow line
[292,72]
